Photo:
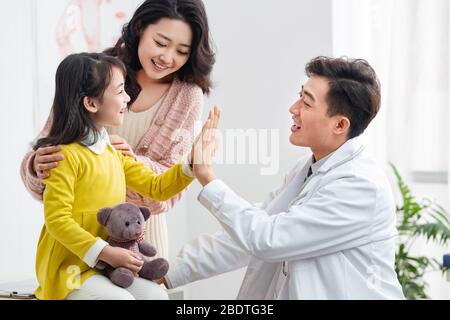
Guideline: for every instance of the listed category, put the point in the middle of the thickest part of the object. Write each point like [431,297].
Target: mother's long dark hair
[78,75]
[197,69]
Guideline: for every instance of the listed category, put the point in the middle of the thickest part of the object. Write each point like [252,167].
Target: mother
[167,51]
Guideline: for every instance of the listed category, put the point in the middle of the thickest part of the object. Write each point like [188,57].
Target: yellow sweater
[83,183]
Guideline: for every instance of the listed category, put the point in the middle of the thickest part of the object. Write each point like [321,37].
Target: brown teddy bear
[125,227]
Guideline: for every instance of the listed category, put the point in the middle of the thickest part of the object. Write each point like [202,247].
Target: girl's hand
[122,145]
[120,257]
[45,160]
[205,148]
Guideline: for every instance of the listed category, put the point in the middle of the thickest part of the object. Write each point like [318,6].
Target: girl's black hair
[78,75]
[197,69]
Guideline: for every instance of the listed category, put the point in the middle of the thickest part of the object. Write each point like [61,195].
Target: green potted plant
[417,219]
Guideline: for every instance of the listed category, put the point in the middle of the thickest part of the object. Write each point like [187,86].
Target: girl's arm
[143,180]
[194,97]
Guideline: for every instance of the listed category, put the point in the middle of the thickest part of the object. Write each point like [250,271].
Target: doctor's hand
[205,147]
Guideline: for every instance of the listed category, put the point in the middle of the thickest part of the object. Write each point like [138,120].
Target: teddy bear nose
[127,223]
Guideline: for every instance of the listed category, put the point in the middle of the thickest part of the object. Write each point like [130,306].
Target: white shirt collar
[317,164]
[344,153]
[101,144]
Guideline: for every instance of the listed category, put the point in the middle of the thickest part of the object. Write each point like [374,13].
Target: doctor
[328,232]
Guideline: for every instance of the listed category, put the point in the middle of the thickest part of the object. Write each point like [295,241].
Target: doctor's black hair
[354,89]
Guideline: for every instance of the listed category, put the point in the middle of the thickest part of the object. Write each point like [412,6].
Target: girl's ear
[90,105]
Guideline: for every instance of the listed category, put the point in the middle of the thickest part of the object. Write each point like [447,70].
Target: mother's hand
[121,144]
[45,159]
[205,148]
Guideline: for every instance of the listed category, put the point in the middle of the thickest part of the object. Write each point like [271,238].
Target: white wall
[20,216]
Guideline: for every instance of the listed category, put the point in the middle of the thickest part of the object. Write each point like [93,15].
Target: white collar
[349,150]
[101,144]
[316,165]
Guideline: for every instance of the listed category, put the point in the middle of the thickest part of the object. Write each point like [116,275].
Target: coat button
[145,147]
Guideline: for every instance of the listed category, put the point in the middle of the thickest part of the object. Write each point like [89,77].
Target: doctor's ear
[342,126]
[90,105]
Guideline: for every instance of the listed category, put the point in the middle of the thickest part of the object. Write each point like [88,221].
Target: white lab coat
[332,237]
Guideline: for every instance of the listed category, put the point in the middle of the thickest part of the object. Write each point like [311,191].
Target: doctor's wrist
[204,180]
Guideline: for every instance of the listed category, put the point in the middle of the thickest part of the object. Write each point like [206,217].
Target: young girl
[90,95]
[167,52]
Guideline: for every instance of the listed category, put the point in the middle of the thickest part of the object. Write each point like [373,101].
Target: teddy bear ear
[103,215]
[145,212]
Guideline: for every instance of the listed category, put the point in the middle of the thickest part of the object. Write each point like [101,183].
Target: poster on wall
[69,26]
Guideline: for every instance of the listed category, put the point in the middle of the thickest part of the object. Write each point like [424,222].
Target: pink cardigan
[168,138]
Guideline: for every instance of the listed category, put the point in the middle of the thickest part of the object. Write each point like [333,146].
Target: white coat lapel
[345,153]
[289,191]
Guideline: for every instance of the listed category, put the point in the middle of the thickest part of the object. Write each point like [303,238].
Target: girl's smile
[110,109]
